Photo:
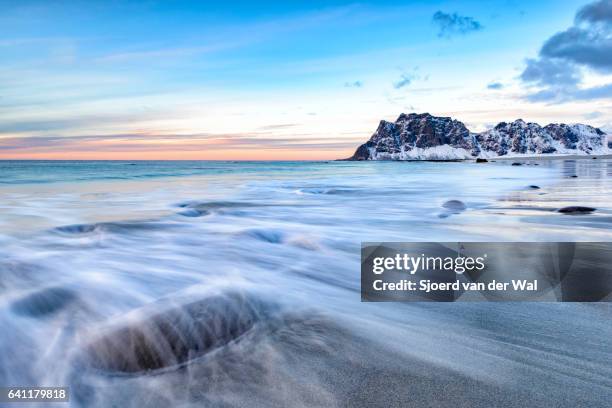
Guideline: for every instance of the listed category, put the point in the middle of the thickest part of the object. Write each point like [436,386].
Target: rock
[412,136]
[193,212]
[533,186]
[517,164]
[172,337]
[454,205]
[576,210]
[44,302]
[269,236]
[479,160]
[362,153]
[572,136]
[574,176]
[426,137]
[77,228]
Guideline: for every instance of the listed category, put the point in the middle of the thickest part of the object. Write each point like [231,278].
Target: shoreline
[500,158]
[555,157]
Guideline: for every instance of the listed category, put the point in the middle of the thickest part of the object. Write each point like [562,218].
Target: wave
[199,209]
[112,227]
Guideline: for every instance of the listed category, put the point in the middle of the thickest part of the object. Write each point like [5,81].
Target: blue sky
[274,80]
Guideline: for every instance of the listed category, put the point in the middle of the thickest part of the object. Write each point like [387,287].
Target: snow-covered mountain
[426,137]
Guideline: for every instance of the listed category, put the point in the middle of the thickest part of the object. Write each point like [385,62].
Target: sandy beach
[224,284]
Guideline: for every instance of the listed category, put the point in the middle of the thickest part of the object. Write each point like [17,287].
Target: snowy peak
[426,137]
[576,136]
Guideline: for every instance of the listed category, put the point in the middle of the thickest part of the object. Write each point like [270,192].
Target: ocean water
[237,284]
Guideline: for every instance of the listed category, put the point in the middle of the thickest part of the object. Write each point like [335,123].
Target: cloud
[137,142]
[278,126]
[550,72]
[45,125]
[558,81]
[597,12]
[591,47]
[495,85]
[452,24]
[593,115]
[354,84]
[170,53]
[568,94]
[556,75]
[405,80]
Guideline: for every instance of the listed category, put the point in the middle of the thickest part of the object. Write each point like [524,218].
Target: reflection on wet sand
[238,285]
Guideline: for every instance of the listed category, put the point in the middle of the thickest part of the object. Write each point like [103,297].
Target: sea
[237,284]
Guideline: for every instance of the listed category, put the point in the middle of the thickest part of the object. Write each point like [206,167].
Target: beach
[237,283]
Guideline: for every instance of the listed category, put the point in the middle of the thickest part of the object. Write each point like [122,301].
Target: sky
[297,80]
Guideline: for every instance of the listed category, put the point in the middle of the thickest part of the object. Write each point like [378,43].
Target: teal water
[53,171]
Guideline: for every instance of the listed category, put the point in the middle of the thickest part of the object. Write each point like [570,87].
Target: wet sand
[242,289]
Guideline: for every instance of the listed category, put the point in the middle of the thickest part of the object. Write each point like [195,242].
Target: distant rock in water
[576,210]
[454,205]
[425,137]
[479,160]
